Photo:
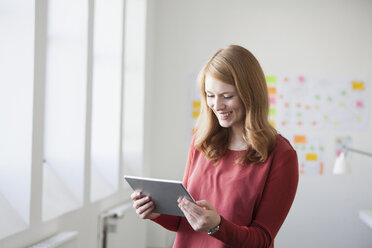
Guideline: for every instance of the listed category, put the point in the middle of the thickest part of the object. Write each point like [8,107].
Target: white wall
[320,38]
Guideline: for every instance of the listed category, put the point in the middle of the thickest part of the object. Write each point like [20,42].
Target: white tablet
[164,193]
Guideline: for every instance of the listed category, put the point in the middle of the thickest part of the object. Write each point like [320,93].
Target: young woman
[242,173]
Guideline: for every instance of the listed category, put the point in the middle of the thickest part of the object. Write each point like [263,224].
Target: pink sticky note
[359,104]
[301,79]
[272,100]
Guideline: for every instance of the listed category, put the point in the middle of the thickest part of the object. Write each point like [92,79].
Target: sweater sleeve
[172,222]
[277,198]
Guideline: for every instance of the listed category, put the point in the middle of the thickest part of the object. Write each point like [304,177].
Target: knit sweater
[253,200]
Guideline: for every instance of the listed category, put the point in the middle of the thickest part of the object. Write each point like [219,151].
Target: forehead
[216,86]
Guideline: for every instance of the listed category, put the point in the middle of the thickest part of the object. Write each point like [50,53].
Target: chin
[225,125]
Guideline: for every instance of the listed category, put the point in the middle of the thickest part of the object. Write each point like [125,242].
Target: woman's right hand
[143,205]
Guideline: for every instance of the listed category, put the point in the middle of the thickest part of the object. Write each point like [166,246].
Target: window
[106,97]
[16,98]
[134,81]
[71,88]
[65,106]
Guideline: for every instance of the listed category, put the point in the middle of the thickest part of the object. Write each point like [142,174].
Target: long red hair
[235,65]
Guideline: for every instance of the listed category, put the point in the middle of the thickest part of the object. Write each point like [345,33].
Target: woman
[242,173]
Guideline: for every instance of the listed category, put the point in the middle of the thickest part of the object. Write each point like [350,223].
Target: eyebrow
[222,93]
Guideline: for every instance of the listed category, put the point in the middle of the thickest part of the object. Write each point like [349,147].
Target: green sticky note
[270,79]
[317,97]
[272,111]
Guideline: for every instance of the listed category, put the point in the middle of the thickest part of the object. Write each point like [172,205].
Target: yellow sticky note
[196,104]
[311,156]
[358,85]
[271,79]
[272,90]
[300,139]
[272,123]
[195,114]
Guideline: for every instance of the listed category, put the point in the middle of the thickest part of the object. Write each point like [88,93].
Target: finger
[147,212]
[142,209]
[190,218]
[138,203]
[204,204]
[135,195]
[190,213]
[191,207]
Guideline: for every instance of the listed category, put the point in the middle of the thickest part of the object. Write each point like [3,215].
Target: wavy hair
[235,65]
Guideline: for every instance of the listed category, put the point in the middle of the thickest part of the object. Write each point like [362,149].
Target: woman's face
[225,102]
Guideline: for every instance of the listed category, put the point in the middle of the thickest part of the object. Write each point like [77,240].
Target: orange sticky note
[321,169]
[272,90]
[300,139]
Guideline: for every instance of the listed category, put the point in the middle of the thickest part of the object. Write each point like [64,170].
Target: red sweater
[252,200]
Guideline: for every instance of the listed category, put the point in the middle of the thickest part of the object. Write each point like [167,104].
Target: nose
[219,104]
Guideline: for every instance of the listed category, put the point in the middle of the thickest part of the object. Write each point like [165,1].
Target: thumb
[204,204]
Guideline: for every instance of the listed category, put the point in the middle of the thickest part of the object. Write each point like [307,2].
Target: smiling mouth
[224,115]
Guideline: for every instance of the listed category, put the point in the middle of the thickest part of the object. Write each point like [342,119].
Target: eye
[209,95]
[227,97]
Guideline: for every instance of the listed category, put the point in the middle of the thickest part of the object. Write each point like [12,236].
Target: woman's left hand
[201,215]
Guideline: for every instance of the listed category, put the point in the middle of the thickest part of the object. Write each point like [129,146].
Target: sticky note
[195,114]
[272,100]
[270,79]
[196,104]
[300,139]
[359,104]
[311,156]
[301,79]
[272,90]
[321,169]
[272,123]
[272,111]
[357,85]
